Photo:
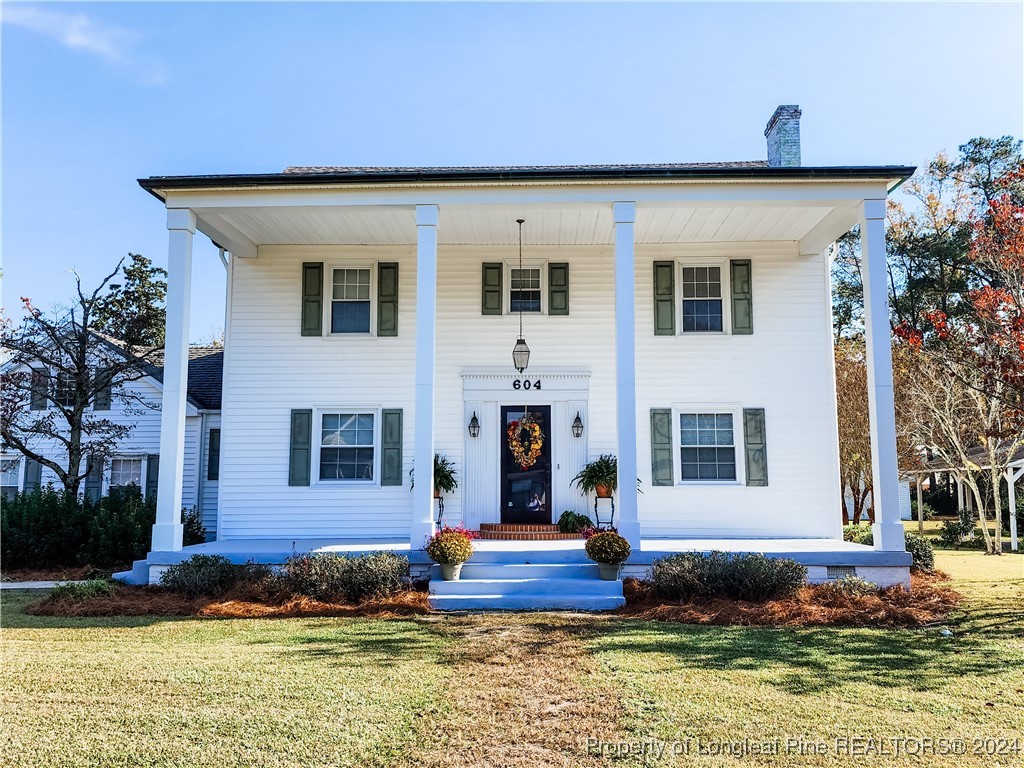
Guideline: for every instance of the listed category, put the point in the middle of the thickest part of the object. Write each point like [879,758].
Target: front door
[526,493]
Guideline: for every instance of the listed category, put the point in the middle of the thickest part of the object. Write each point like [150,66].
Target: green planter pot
[451,572]
[610,572]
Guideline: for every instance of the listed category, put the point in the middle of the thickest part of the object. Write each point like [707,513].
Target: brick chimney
[783,134]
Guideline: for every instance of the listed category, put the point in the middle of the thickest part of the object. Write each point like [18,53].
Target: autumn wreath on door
[525,439]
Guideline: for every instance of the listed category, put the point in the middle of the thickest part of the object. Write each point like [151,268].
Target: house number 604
[526,384]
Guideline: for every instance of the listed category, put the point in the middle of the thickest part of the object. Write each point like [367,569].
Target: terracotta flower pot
[603,492]
[451,572]
[610,571]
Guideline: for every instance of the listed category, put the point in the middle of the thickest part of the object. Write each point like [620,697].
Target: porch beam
[887,529]
[841,220]
[228,237]
[625,369]
[422,525]
[167,531]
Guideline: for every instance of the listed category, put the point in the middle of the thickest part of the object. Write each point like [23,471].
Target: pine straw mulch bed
[67,573]
[929,600]
[239,603]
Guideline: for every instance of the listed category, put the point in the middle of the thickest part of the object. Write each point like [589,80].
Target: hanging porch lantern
[521,352]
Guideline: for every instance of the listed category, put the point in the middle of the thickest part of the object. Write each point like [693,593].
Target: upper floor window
[350,303]
[707,446]
[64,389]
[347,446]
[702,299]
[525,289]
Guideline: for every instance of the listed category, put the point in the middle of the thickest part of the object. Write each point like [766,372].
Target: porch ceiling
[551,224]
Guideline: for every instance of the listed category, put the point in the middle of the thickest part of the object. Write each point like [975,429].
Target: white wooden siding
[784,367]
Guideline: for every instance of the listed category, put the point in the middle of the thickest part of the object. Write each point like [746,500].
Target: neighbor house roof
[297,176]
[205,375]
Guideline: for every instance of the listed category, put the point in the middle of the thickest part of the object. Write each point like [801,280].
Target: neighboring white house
[137,459]
[681,312]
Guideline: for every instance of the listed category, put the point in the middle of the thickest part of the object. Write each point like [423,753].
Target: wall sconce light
[474,426]
[577,426]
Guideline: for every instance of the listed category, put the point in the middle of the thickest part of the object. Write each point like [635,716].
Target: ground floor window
[125,472]
[707,446]
[347,446]
[11,482]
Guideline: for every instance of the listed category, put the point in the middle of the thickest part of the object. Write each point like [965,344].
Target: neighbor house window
[346,446]
[64,389]
[125,472]
[11,477]
[702,299]
[524,295]
[350,304]
[707,446]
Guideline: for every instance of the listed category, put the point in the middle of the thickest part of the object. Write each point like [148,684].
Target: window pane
[346,464]
[125,472]
[702,315]
[688,420]
[350,317]
[10,471]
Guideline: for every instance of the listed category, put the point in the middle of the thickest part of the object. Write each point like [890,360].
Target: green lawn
[507,690]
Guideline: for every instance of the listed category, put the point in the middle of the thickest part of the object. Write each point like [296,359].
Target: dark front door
[526,493]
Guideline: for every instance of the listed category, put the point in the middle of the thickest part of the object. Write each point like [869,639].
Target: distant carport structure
[1013,473]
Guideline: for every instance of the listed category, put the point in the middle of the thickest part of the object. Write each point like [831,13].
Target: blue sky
[96,95]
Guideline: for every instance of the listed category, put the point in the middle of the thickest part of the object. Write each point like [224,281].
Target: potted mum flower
[451,548]
[609,550]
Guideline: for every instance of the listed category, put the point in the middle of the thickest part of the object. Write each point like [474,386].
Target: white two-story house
[677,316]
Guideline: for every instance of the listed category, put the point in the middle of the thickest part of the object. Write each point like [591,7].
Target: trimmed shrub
[953,532]
[119,528]
[329,577]
[929,512]
[921,551]
[192,522]
[752,577]
[573,522]
[858,534]
[85,590]
[607,547]
[211,576]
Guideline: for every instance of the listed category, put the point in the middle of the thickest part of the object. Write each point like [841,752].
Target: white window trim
[738,442]
[21,467]
[507,298]
[330,266]
[318,425]
[696,261]
[108,469]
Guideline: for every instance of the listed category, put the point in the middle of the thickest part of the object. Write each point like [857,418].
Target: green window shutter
[213,456]
[94,479]
[101,401]
[756,446]
[152,475]
[387,299]
[558,289]
[742,296]
[38,392]
[301,447]
[391,446]
[491,299]
[312,298]
[664,298]
[33,475]
[661,446]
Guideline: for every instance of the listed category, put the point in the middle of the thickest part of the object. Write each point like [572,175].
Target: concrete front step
[535,587]
[527,602]
[475,570]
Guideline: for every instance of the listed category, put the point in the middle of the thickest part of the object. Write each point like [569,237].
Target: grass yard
[511,690]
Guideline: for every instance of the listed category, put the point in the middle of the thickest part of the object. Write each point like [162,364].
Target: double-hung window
[350,300]
[702,300]
[707,446]
[11,477]
[125,472]
[64,389]
[525,289]
[347,446]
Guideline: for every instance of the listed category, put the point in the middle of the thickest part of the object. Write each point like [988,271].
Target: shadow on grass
[353,642]
[808,661]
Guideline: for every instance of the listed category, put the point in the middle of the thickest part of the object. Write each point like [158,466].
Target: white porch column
[422,525]
[167,532]
[625,371]
[887,530]
[1012,476]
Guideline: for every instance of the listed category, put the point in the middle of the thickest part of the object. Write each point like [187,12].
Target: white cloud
[79,32]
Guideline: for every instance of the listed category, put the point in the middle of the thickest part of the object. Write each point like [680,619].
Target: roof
[297,176]
[205,375]
[979,456]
